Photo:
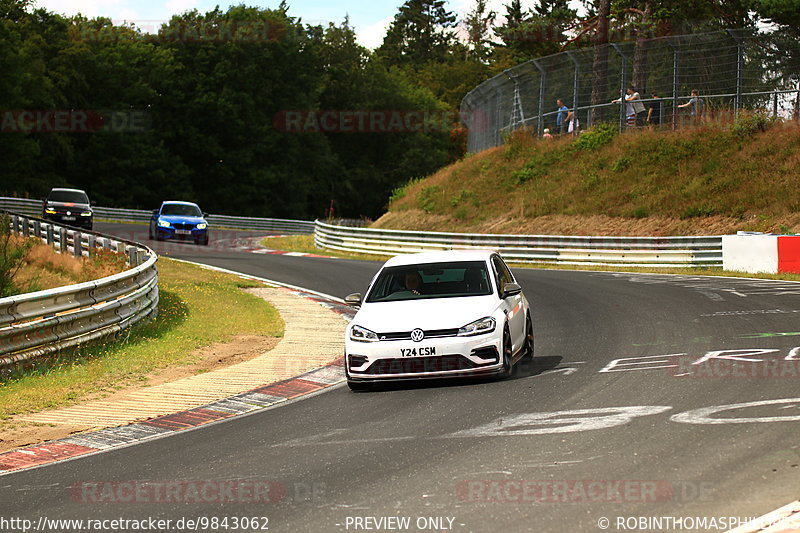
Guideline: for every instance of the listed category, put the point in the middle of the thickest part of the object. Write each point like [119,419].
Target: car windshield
[68,197]
[428,281]
[183,210]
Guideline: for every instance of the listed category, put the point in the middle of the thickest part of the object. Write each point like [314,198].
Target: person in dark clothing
[654,110]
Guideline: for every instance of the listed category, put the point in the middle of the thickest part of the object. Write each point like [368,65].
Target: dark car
[70,207]
[179,221]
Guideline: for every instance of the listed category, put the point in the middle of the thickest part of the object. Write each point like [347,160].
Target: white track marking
[704,415]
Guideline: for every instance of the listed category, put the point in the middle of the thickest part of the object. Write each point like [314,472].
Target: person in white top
[634,108]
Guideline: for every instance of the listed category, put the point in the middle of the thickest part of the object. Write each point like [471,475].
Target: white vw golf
[436,315]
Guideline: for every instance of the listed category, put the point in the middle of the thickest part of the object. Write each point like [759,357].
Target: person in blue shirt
[561,117]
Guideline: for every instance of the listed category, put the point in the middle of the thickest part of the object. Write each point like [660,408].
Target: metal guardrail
[45,322]
[629,251]
[300,227]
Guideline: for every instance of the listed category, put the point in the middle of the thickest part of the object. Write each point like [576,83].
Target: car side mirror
[511,289]
[353,300]
[205,215]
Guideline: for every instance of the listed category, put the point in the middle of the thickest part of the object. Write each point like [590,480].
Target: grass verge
[197,308]
[713,179]
[305,244]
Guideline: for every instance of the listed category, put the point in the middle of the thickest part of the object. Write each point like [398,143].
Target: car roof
[440,257]
[61,189]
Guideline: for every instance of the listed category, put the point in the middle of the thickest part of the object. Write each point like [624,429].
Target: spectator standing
[572,123]
[695,105]
[630,109]
[561,117]
[638,107]
[654,110]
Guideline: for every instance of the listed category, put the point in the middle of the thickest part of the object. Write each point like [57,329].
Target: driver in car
[413,281]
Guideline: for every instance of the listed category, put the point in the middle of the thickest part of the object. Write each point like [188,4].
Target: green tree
[422,31]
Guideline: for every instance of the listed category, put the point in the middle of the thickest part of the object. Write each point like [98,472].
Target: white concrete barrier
[761,253]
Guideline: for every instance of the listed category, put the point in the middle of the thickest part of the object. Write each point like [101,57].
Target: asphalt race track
[631,409]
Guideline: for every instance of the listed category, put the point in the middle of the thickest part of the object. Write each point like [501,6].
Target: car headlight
[50,211]
[86,214]
[357,333]
[479,327]
[163,224]
[202,226]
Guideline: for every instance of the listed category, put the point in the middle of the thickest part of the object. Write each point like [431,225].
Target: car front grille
[421,365]
[429,334]
[179,225]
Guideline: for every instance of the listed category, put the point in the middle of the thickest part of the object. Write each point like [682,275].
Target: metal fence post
[575,82]
[739,71]
[540,125]
[676,57]
[50,237]
[622,104]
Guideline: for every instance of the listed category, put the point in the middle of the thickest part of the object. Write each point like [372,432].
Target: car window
[428,281]
[68,197]
[181,210]
[502,273]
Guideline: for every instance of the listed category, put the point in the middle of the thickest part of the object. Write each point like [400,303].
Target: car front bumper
[172,234]
[453,357]
[70,220]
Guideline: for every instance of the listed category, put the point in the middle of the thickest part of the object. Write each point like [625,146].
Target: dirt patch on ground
[596,225]
[16,433]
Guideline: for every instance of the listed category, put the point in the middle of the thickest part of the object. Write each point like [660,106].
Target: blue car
[179,221]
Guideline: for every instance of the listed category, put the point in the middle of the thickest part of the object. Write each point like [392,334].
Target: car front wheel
[528,339]
[507,353]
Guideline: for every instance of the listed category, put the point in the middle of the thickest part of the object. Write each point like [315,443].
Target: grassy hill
[709,180]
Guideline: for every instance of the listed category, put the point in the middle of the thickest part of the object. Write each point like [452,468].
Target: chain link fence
[731,70]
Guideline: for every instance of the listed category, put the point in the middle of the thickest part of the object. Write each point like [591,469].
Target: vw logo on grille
[417,335]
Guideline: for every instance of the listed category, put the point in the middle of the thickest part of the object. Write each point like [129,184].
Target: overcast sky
[369,18]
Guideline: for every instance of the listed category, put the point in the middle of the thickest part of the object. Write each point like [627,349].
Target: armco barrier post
[92,245]
[76,243]
[50,237]
[62,240]
[131,252]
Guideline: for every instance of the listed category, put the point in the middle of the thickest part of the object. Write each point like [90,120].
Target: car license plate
[183,231]
[418,352]
[69,218]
